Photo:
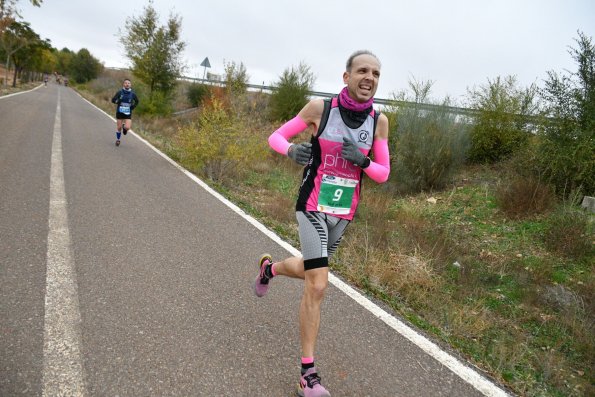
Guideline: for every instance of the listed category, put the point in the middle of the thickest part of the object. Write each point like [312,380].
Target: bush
[567,164]
[159,103]
[522,197]
[428,146]
[502,124]
[567,142]
[218,146]
[236,78]
[196,93]
[290,94]
[569,233]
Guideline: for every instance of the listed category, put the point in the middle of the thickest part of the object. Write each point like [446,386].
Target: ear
[345,77]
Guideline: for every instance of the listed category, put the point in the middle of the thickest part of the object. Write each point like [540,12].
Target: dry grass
[419,234]
[6,86]
[411,276]
[568,233]
[278,206]
[523,197]
[470,321]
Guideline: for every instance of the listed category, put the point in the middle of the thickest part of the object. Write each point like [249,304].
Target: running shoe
[310,386]
[118,142]
[261,284]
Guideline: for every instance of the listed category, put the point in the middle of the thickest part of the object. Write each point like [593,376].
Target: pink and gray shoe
[261,284]
[310,386]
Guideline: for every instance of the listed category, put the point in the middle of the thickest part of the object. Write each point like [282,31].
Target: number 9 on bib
[336,195]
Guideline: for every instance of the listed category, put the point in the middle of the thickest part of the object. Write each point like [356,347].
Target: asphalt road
[163,279]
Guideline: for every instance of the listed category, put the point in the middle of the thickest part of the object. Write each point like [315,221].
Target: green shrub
[236,78]
[502,124]
[568,164]
[565,152]
[428,146]
[290,94]
[196,93]
[157,104]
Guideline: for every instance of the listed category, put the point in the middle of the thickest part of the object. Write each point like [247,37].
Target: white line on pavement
[62,363]
[20,92]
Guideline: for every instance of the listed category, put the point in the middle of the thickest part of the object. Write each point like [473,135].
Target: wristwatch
[366,163]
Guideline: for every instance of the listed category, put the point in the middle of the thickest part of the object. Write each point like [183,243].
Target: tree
[8,12]
[84,67]
[28,59]
[155,51]
[567,143]
[236,78]
[47,60]
[15,37]
[63,60]
[11,44]
[502,124]
[290,94]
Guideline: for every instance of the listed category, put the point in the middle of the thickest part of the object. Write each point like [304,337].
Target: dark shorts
[122,116]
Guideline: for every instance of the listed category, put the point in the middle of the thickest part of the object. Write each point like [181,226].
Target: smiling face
[362,79]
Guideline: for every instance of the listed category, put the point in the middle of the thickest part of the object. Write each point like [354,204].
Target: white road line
[468,374]
[62,363]
[20,92]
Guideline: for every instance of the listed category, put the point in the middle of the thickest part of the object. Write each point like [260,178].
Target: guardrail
[380,101]
[459,111]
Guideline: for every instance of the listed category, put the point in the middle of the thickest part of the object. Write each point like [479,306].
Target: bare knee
[316,286]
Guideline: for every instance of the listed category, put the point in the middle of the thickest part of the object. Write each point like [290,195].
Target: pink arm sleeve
[379,169]
[278,139]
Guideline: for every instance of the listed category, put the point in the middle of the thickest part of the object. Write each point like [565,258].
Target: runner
[346,130]
[126,100]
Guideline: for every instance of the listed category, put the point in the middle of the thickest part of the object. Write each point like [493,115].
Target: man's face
[127,84]
[362,80]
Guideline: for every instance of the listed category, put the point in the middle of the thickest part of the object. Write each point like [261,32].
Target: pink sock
[273,272]
[307,360]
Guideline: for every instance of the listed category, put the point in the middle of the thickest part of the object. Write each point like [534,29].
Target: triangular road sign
[206,63]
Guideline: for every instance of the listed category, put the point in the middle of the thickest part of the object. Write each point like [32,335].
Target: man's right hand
[300,152]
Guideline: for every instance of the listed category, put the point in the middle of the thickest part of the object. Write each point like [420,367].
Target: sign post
[206,64]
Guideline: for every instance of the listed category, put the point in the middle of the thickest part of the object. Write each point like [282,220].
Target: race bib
[336,195]
[124,108]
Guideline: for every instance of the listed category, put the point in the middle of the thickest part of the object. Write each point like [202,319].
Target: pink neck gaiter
[352,104]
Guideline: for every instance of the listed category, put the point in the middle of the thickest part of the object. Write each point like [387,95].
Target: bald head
[349,64]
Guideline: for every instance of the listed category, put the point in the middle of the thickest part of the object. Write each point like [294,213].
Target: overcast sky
[456,43]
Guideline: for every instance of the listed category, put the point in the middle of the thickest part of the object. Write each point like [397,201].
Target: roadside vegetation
[478,237]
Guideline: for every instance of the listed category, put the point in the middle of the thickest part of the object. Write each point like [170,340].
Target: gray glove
[351,153]
[300,152]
